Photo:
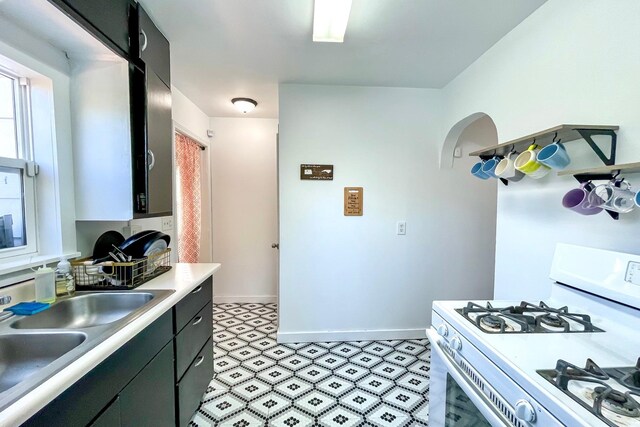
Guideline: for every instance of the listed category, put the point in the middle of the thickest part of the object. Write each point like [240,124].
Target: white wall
[245,210]
[188,116]
[571,61]
[353,277]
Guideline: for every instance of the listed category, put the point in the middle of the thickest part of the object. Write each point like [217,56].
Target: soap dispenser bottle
[65,284]
[45,285]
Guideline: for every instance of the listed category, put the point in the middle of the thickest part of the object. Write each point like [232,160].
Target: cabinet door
[194,384]
[110,417]
[108,20]
[153,47]
[149,400]
[159,146]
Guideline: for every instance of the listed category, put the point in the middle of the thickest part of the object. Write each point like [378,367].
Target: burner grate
[623,403]
[526,318]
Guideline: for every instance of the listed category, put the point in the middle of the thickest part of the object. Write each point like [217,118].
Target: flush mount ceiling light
[330,18]
[244,105]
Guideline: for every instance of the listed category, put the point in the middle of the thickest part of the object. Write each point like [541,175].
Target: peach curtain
[189,198]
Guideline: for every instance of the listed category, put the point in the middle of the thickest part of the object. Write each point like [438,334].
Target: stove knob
[443,331]
[456,344]
[525,412]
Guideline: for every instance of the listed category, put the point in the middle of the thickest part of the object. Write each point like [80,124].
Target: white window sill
[25,263]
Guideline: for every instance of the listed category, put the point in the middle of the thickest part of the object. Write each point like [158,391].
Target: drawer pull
[196,290]
[199,362]
[198,320]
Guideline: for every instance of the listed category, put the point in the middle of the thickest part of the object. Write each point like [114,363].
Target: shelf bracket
[587,135]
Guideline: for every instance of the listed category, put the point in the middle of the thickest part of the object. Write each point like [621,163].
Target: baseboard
[368,335]
[244,299]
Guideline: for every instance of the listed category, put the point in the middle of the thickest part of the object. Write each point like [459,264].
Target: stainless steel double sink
[34,348]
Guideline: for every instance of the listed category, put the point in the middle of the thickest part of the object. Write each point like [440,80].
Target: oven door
[453,399]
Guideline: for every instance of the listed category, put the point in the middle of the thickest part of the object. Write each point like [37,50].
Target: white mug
[506,169]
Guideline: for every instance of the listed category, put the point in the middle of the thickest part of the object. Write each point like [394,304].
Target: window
[17,169]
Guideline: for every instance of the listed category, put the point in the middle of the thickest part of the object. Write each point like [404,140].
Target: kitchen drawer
[194,383]
[191,339]
[192,304]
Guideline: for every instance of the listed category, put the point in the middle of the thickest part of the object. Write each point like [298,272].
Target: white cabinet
[101,122]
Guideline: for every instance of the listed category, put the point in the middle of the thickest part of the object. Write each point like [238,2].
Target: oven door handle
[478,398]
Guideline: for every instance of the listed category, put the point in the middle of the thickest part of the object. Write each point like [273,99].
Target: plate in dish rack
[155,248]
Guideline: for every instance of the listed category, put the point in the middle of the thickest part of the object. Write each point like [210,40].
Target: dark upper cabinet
[152,47]
[151,120]
[159,155]
[127,29]
[108,20]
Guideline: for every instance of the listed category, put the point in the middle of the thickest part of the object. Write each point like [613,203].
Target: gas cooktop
[526,318]
[611,394]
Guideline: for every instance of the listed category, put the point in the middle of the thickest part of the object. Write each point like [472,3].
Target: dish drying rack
[111,275]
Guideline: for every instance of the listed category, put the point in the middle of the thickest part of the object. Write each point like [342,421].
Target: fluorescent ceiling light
[330,18]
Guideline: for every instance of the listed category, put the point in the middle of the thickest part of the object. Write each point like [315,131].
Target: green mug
[527,162]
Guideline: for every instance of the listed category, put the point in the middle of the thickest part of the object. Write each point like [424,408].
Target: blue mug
[476,171]
[555,156]
[489,167]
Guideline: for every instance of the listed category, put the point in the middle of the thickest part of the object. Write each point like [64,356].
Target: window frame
[24,162]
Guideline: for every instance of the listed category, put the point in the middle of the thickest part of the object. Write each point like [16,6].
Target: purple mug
[576,200]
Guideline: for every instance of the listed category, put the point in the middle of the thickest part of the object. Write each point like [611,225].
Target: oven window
[461,412]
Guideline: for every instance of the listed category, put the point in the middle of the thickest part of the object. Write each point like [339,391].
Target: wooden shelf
[564,132]
[603,170]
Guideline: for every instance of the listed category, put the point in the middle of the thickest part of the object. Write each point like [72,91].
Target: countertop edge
[191,275]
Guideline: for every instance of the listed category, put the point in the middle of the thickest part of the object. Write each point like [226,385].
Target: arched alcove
[452,138]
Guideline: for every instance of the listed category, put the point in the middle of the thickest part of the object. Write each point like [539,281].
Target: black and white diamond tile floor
[258,382]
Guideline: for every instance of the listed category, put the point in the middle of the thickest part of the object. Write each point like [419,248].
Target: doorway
[245,209]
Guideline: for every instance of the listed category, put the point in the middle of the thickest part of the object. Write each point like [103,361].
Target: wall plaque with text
[316,172]
[353,201]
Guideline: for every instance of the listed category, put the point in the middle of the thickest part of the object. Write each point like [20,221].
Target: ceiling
[221,49]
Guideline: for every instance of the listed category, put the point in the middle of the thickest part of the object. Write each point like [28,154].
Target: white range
[570,360]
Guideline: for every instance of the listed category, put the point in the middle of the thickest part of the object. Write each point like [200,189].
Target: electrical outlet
[401,228]
[167,223]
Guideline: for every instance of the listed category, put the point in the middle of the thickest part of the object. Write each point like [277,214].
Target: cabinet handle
[151,159]
[199,362]
[144,43]
[198,320]
[196,290]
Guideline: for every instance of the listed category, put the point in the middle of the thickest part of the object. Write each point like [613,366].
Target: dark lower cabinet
[140,384]
[148,400]
[85,400]
[190,388]
[110,417]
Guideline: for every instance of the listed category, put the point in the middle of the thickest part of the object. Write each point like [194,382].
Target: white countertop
[182,279]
